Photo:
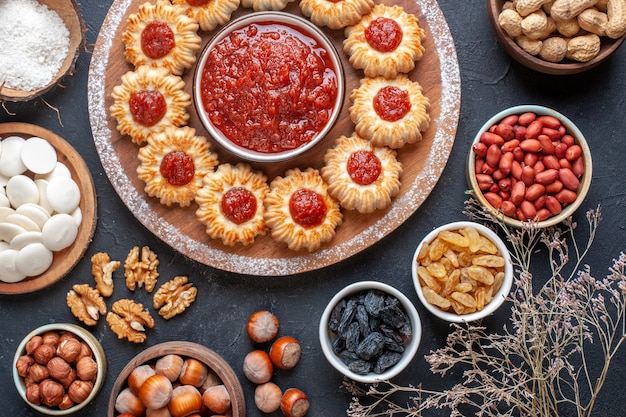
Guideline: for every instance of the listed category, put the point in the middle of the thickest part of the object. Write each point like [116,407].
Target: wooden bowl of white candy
[45,38]
[47,208]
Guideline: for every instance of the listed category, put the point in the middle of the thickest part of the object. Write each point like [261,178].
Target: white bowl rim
[571,128]
[84,335]
[280,17]
[498,298]
[410,350]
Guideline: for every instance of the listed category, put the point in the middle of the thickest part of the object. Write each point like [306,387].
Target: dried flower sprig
[544,362]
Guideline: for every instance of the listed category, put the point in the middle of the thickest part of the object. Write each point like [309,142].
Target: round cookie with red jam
[148,100]
[336,14]
[385,42]
[173,164]
[230,204]
[361,176]
[300,212]
[390,112]
[161,35]
[208,13]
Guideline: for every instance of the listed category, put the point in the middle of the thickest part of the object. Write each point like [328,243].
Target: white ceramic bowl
[283,18]
[82,334]
[498,298]
[327,335]
[572,129]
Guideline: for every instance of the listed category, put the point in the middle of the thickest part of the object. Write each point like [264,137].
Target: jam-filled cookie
[336,14]
[299,210]
[173,164]
[231,204]
[161,35]
[385,42]
[147,100]
[209,13]
[390,112]
[361,176]
[265,5]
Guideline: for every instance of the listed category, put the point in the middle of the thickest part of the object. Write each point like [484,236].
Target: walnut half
[139,272]
[86,303]
[129,320]
[174,296]
[102,268]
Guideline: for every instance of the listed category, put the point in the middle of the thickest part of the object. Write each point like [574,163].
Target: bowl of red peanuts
[530,163]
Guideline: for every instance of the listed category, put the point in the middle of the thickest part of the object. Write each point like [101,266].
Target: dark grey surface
[491,81]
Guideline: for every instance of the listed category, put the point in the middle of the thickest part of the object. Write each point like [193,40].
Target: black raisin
[339,344]
[371,346]
[374,302]
[348,357]
[386,361]
[335,315]
[360,367]
[393,316]
[346,317]
[353,335]
[362,318]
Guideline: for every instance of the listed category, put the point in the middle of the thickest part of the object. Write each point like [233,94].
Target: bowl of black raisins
[370,331]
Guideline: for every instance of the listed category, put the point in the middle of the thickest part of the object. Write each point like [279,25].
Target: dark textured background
[491,81]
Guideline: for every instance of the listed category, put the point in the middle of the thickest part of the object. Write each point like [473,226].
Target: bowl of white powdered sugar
[40,41]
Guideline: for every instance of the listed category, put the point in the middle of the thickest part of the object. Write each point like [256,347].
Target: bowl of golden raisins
[462,272]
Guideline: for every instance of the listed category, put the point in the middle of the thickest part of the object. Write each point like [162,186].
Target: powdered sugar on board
[433,157]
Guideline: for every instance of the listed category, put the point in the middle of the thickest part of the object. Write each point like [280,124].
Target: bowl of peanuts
[530,163]
[559,37]
[462,272]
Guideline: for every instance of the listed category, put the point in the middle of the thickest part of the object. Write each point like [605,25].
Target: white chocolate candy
[60,170]
[24,239]
[3,180]
[42,186]
[4,245]
[63,194]
[4,212]
[4,201]
[35,212]
[22,190]
[77,215]
[9,230]
[38,155]
[23,221]
[33,259]
[8,270]
[10,159]
[59,232]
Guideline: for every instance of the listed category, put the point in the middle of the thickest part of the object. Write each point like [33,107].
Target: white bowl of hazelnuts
[59,368]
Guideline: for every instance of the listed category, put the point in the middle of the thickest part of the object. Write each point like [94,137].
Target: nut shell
[193,372]
[186,400]
[217,399]
[138,376]
[127,402]
[169,365]
[156,391]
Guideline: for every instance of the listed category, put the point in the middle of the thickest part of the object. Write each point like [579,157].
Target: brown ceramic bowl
[84,336]
[69,12]
[494,7]
[584,180]
[212,360]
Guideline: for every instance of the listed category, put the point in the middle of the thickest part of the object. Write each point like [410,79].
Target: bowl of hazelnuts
[59,368]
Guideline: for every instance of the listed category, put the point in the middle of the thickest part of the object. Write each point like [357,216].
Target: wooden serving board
[423,163]
[65,260]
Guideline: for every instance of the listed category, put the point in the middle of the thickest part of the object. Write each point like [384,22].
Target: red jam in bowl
[269,87]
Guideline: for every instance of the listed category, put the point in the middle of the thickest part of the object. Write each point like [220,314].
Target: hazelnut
[33,344]
[262,326]
[170,366]
[44,353]
[156,391]
[85,350]
[138,376]
[58,368]
[68,379]
[186,400]
[128,403]
[23,364]
[51,338]
[217,399]
[285,352]
[86,368]
[79,390]
[193,372]
[257,367]
[66,402]
[294,403]
[32,394]
[267,397]
[38,373]
[68,348]
[51,392]
[211,379]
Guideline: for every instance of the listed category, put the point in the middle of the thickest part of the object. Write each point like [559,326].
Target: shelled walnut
[129,320]
[102,268]
[86,303]
[139,272]
[174,296]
